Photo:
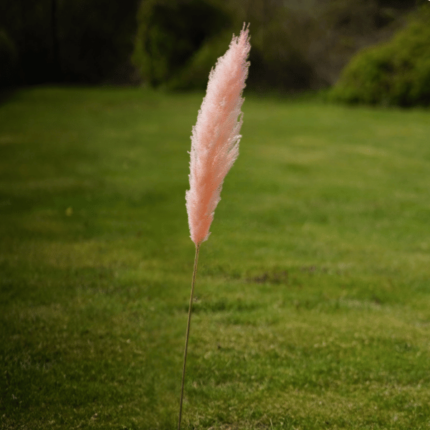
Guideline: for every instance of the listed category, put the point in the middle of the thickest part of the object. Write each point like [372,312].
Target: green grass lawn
[313,291]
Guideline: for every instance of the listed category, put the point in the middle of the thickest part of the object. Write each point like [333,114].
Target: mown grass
[313,291]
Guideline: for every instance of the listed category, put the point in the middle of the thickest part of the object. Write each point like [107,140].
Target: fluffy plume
[215,138]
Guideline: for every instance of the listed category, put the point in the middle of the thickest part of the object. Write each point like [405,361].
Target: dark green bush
[179,41]
[196,70]
[396,73]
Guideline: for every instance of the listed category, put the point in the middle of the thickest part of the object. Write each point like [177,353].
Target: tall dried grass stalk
[214,149]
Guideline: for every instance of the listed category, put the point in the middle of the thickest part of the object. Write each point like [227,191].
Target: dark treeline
[296,44]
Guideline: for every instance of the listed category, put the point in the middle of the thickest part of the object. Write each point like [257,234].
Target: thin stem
[190,308]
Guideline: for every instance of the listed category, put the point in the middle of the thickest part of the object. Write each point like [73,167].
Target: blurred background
[297,45]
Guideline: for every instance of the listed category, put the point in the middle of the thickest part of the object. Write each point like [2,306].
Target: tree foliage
[296,44]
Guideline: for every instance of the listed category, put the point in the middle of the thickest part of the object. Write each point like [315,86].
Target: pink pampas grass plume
[214,149]
[215,139]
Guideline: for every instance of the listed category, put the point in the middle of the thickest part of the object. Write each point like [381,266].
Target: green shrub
[196,71]
[396,73]
[179,41]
